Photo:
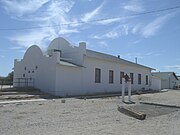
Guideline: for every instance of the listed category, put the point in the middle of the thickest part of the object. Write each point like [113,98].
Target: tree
[2,80]
[9,78]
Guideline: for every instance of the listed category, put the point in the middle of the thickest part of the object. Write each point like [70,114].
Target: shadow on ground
[23,93]
[152,110]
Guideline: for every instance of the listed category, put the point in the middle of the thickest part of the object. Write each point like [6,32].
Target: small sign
[127,78]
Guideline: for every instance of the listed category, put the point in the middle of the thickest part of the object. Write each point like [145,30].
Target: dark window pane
[121,76]
[139,78]
[147,79]
[97,75]
[111,76]
[132,78]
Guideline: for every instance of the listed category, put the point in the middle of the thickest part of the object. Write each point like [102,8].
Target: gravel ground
[91,117]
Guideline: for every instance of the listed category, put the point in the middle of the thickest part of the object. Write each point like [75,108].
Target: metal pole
[1,84]
[136,60]
[123,89]
[129,90]
[18,82]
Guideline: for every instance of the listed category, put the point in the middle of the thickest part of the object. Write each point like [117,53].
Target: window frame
[132,78]
[97,75]
[139,79]
[147,79]
[111,76]
[121,76]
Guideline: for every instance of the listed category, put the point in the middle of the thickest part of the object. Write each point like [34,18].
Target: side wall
[105,66]
[81,80]
[156,83]
[69,80]
[165,84]
[173,82]
[45,79]
[169,83]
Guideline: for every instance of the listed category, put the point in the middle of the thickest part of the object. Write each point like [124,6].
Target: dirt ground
[91,116]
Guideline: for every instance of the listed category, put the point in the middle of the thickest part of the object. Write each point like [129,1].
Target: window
[111,76]
[23,75]
[147,79]
[121,76]
[132,78]
[139,78]
[24,68]
[97,75]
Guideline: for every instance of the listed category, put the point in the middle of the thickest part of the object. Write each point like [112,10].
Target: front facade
[169,80]
[69,70]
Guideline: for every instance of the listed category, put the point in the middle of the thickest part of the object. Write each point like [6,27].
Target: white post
[129,90]
[123,89]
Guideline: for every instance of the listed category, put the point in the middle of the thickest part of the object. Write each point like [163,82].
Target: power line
[96,20]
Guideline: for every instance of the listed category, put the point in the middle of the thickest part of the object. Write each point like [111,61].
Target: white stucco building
[69,70]
[169,80]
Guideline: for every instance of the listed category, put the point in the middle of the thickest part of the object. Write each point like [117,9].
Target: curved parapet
[67,51]
[34,51]
[58,44]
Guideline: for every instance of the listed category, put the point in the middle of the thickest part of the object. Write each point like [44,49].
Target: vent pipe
[136,60]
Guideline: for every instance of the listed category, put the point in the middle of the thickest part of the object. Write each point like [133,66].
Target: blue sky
[153,38]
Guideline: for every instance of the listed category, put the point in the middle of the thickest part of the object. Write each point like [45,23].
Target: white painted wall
[155,83]
[165,83]
[44,75]
[168,80]
[81,80]
[105,66]
[173,82]
[69,80]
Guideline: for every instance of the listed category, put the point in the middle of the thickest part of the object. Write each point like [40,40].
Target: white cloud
[134,6]
[15,48]
[111,34]
[19,8]
[90,15]
[40,37]
[108,21]
[34,37]
[103,44]
[173,67]
[153,27]
[136,41]
[116,32]
[136,28]
[132,56]
[54,15]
